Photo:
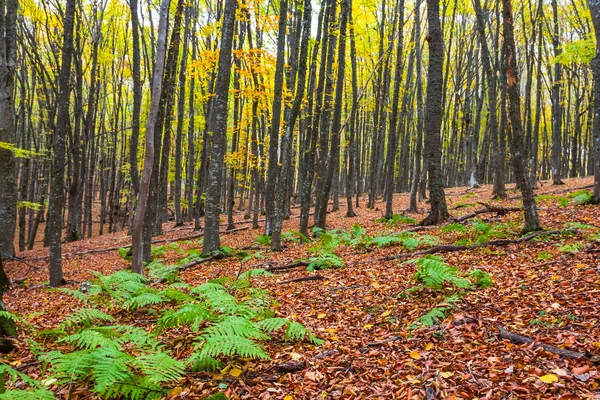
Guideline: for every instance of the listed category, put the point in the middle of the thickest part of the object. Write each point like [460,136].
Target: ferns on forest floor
[433,273]
[231,317]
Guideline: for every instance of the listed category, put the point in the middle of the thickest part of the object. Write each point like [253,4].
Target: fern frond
[91,339]
[111,367]
[160,367]
[191,314]
[199,362]
[297,331]
[69,367]
[77,294]
[34,394]
[254,273]
[138,336]
[211,286]
[432,317]
[143,300]
[272,324]
[215,346]
[86,316]
[236,326]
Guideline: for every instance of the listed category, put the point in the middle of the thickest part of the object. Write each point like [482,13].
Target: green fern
[481,278]
[253,273]
[263,240]
[201,362]
[231,345]
[160,367]
[11,376]
[325,261]
[438,313]
[192,315]
[454,227]
[433,272]
[236,326]
[85,317]
[78,294]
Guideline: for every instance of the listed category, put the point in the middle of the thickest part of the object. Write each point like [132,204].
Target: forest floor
[547,289]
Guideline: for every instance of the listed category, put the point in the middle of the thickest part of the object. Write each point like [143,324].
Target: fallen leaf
[321,316]
[580,370]
[235,372]
[429,346]
[549,378]
[415,355]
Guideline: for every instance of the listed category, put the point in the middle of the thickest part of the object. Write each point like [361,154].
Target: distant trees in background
[280,108]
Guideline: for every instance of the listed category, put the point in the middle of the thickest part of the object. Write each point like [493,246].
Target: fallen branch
[303,279]
[288,266]
[487,209]
[114,248]
[379,343]
[347,287]
[191,264]
[520,339]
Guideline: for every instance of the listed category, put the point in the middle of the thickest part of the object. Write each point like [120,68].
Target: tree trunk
[57,194]
[392,132]
[594,6]
[8,172]
[290,123]
[273,169]
[433,118]
[218,127]
[137,247]
[514,117]
[556,106]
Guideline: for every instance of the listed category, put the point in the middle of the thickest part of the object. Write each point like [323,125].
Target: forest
[296,199]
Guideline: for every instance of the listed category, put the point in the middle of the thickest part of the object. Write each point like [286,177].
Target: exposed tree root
[303,279]
[520,339]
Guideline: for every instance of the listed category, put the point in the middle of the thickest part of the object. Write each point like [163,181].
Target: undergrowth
[435,274]
[229,318]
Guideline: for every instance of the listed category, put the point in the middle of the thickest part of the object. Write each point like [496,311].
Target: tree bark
[218,127]
[137,246]
[57,194]
[433,117]
[594,6]
[532,222]
[8,172]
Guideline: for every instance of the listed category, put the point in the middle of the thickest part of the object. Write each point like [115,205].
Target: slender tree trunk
[218,126]
[392,135]
[594,6]
[514,117]
[57,194]
[334,151]
[274,147]
[180,116]
[8,172]
[416,174]
[433,117]
[137,245]
[556,106]
[137,98]
[290,124]
[351,144]
[497,159]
